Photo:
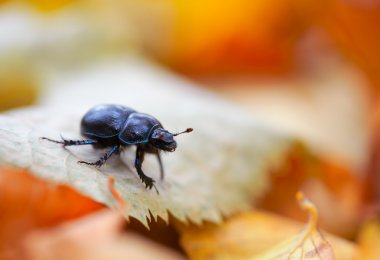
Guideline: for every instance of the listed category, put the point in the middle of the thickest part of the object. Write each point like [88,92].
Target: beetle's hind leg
[66,142]
[102,160]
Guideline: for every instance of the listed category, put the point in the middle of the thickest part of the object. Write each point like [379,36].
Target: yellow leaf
[260,235]
[308,244]
[368,240]
[16,91]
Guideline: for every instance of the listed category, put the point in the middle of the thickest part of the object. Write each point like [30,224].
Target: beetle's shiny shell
[138,128]
[110,121]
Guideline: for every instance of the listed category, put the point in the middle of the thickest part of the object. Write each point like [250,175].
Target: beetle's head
[164,140]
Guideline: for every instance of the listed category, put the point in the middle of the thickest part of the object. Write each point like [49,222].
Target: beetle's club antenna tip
[188,130]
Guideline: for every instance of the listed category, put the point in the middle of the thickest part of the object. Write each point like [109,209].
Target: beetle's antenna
[188,130]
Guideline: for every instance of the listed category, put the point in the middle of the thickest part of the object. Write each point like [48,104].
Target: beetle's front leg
[149,182]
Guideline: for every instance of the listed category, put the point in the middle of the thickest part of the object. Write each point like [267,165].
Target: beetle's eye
[160,136]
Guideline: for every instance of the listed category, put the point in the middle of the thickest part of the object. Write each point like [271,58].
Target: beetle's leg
[102,160]
[149,182]
[70,142]
[161,165]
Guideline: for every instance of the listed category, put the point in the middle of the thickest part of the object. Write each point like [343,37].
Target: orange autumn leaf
[95,236]
[230,37]
[372,181]
[338,194]
[354,25]
[258,235]
[335,190]
[286,181]
[201,37]
[28,203]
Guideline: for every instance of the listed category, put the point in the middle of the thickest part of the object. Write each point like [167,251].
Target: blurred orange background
[311,68]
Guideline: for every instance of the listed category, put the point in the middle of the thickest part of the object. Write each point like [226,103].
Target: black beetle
[115,126]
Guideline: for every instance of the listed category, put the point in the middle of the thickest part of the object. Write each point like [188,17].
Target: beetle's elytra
[115,126]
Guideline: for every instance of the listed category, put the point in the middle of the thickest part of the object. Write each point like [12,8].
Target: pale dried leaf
[215,171]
